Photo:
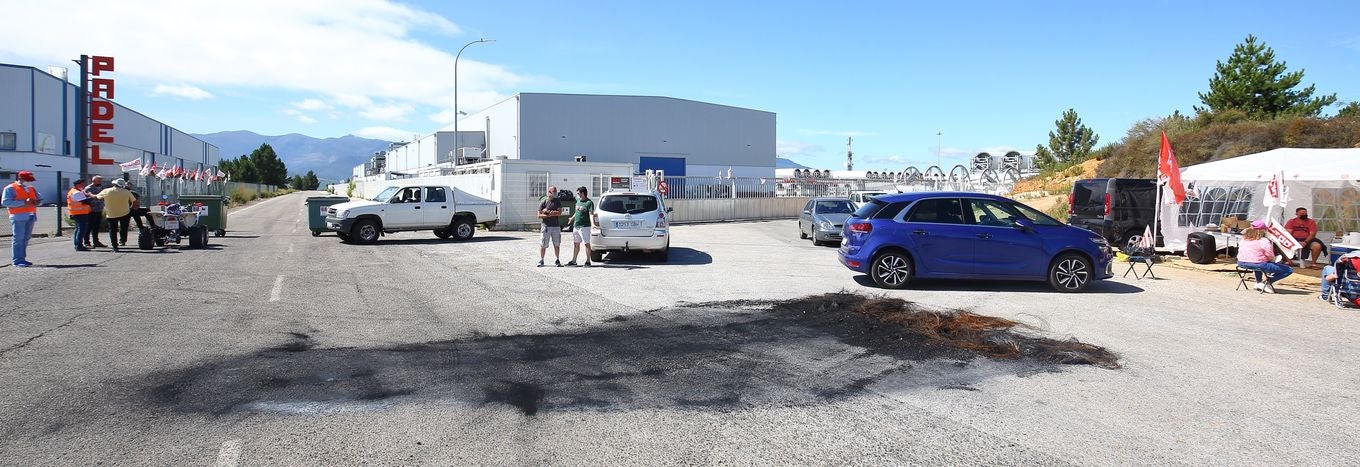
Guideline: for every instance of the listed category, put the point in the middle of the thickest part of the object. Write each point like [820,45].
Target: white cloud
[305,119]
[362,54]
[384,133]
[389,112]
[311,105]
[898,160]
[181,90]
[787,148]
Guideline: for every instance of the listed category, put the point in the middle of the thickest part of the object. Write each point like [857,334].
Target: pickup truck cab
[443,209]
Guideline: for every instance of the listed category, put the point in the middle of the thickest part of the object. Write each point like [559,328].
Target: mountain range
[330,158]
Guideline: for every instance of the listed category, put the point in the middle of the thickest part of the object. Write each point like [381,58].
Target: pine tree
[1253,82]
[1071,141]
[270,169]
[310,182]
[296,182]
[1043,158]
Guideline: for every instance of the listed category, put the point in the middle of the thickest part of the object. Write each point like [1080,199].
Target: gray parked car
[822,219]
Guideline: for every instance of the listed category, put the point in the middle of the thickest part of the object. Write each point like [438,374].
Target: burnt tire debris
[719,356]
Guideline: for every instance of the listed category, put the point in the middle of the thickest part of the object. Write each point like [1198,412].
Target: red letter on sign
[99,133]
[95,159]
[101,110]
[101,87]
[101,64]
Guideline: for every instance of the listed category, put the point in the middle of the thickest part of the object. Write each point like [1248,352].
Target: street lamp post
[939,147]
[458,138]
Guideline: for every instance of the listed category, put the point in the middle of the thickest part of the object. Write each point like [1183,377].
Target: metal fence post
[61,202]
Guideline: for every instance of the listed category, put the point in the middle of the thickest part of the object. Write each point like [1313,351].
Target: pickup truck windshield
[385,195]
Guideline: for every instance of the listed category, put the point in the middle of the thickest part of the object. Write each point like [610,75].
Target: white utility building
[681,137]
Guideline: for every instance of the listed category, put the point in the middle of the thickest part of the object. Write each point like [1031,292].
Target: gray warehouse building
[38,134]
[681,137]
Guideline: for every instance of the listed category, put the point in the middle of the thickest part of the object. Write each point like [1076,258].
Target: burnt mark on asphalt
[719,356]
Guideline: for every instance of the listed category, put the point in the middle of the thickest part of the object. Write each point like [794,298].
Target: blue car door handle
[919,232]
[984,235]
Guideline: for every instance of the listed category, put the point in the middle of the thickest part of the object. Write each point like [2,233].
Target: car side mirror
[1024,224]
[807,212]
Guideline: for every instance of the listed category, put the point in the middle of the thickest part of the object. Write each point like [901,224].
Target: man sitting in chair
[1331,277]
[1305,231]
[1255,252]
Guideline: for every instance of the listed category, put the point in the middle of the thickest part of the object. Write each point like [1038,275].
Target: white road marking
[230,453]
[278,289]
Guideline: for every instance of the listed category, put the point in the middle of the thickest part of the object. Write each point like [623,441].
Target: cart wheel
[221,232]
[315,233]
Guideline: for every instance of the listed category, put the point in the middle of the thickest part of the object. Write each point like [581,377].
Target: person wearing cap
[22,199]
[78,206]
[118,210]
[1255,252]
[96,212]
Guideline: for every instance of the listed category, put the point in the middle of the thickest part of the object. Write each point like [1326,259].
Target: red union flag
[1169,171]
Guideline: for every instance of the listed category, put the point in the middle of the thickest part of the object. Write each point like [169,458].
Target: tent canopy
[1298,164]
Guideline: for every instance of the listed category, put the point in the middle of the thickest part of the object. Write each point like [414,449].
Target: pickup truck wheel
[366,231]
[442,234]
[463,229]
[344,237]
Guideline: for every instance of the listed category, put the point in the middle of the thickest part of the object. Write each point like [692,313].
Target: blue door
[674,166]
[943,241]
[1002,250]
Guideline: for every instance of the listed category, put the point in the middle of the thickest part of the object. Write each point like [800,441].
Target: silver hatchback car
[822,219]
[631,221]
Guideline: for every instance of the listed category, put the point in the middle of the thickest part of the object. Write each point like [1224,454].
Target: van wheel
[442,234]
[891,270]
[1070,273]
[344,237]
[366,231]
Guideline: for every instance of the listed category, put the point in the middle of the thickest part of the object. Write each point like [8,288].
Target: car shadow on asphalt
[1105,286]
[709,357]
[435,241]
[678,256]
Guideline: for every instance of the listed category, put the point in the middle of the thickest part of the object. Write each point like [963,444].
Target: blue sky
[988,75]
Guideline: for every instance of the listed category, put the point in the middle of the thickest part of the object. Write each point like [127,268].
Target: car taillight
[861,227]
[1107,204]
[1071,203]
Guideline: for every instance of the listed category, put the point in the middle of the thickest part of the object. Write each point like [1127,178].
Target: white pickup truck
[443,209]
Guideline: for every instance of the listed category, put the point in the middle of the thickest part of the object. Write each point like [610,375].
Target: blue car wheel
[1070,273]
[891,270]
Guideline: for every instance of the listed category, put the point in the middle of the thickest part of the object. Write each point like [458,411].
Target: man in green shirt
[582,219]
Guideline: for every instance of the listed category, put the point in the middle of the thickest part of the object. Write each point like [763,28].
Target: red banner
[101,108]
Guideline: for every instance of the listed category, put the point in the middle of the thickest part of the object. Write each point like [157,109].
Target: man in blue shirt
[22,200]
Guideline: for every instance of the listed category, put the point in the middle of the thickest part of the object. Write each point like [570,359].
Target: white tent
[1326,181]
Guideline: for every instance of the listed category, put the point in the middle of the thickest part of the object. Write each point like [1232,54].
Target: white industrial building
[681,137]
[38,133]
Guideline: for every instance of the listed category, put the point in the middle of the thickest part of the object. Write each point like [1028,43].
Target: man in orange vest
[78,206]
[22,200]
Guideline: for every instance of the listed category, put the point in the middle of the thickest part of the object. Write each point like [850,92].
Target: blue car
[948,235]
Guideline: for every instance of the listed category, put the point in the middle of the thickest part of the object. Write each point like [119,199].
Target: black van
[1115,208]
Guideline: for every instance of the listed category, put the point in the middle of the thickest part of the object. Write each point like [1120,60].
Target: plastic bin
[316,211]
[215,219]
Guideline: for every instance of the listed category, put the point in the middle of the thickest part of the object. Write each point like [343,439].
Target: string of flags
[167,171]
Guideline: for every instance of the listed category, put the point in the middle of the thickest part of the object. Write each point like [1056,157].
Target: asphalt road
[276,347]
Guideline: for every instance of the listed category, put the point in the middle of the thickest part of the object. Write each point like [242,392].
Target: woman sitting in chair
[1256,253]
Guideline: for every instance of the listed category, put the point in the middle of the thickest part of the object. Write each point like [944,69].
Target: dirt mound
[1060,181]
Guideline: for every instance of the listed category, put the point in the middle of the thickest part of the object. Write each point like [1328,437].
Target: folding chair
[1347,284]
[1139,256]
[1242,273]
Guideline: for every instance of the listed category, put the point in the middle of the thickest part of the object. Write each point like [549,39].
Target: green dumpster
[215,220]
[316,211]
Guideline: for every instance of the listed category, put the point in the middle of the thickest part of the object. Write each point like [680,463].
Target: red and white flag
[131,165]
[1169,172]
[1277,193]
[1146,240]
